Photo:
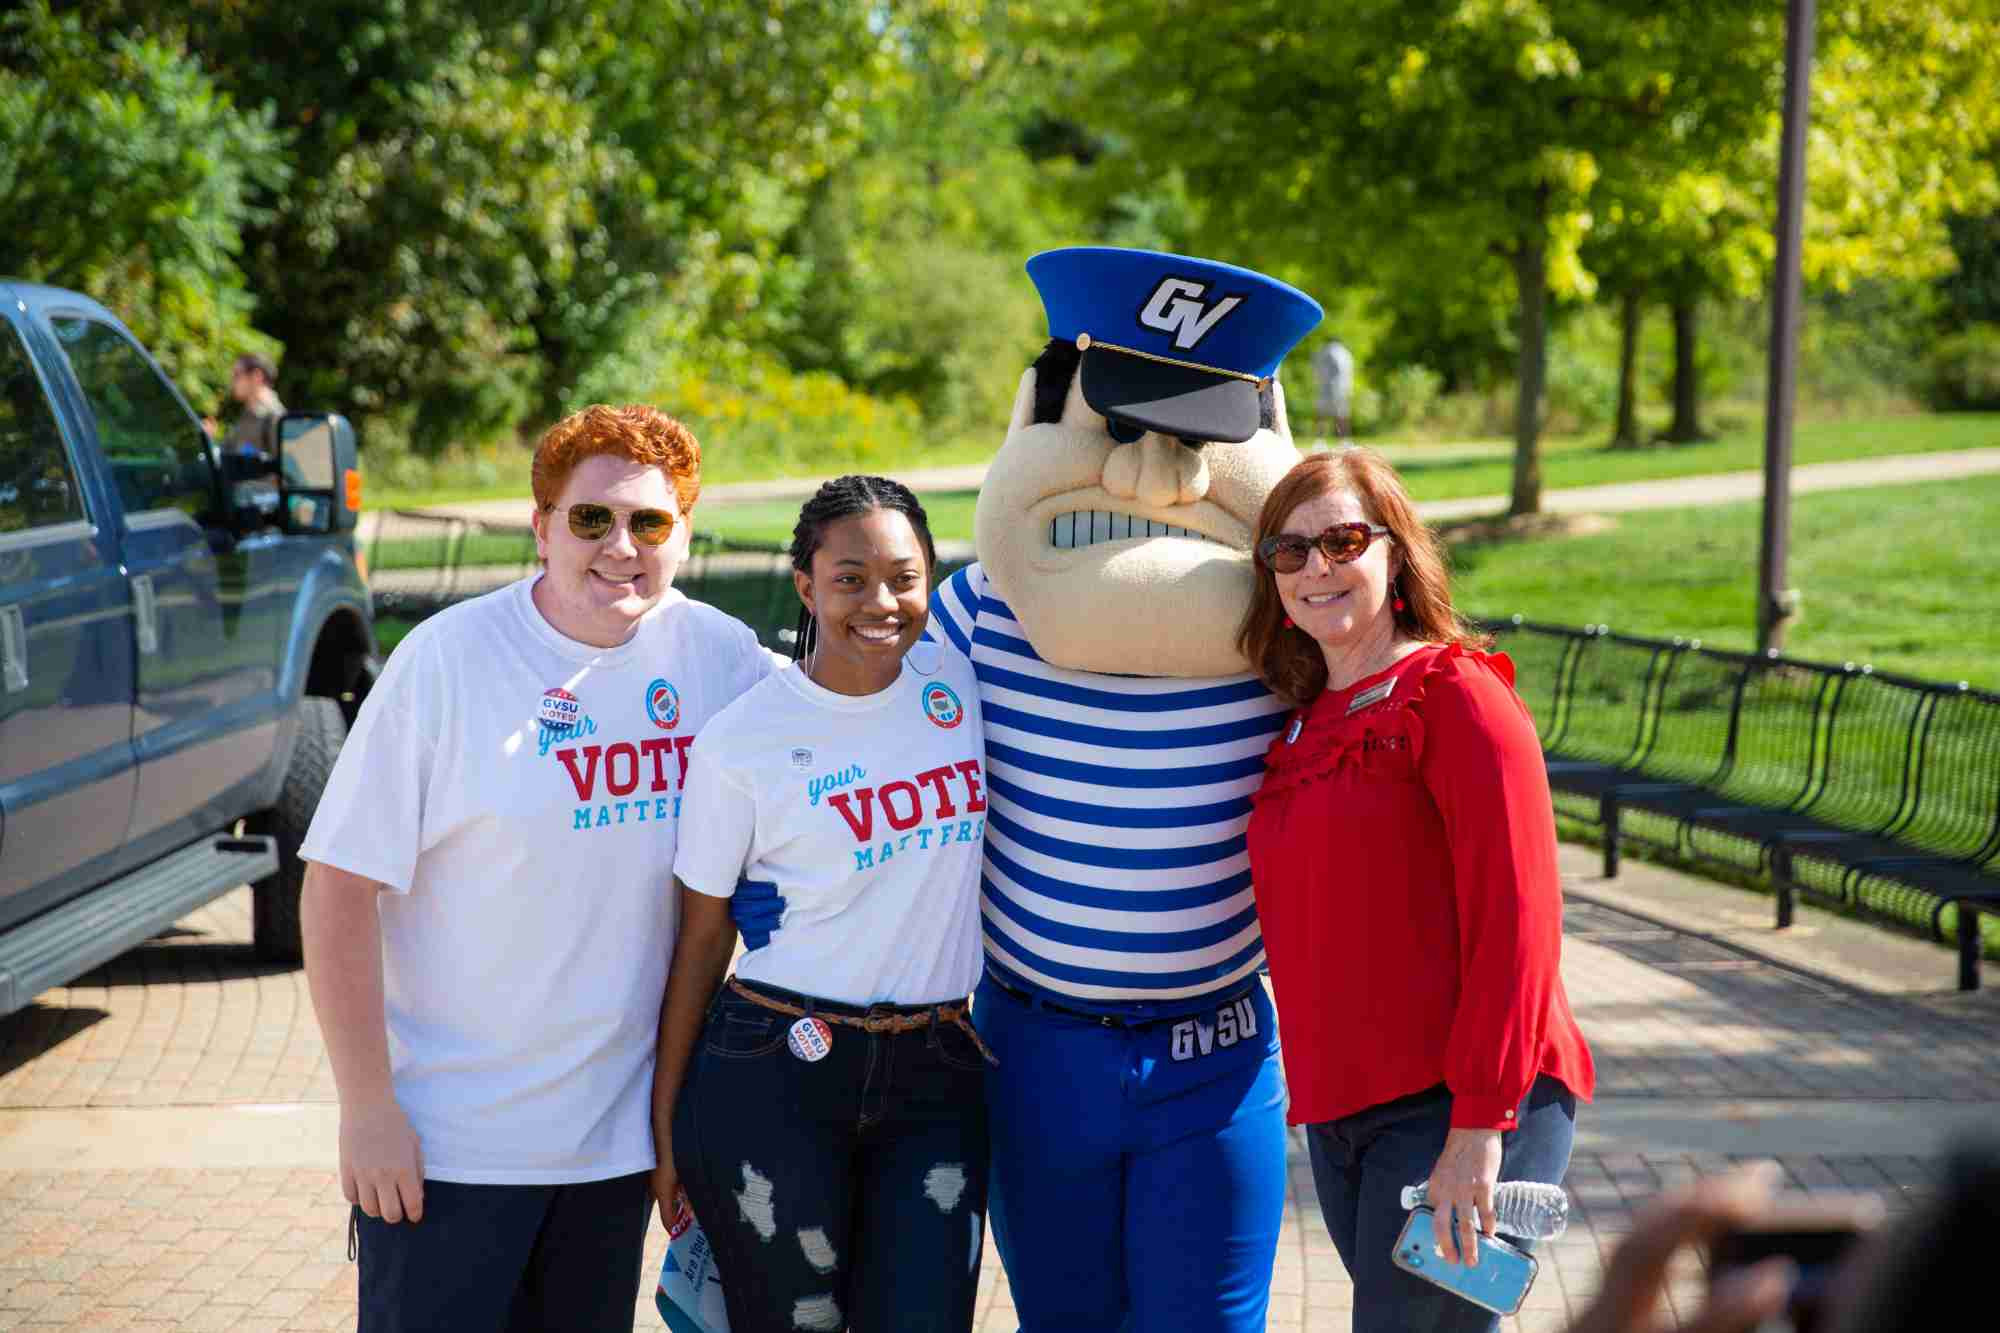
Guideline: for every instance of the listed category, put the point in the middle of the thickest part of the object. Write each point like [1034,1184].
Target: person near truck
[253,383]
[487,910]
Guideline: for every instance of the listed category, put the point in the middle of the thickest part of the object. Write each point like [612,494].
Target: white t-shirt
[867,812]
[520,792]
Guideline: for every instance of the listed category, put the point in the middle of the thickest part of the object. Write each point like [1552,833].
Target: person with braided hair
[824,1108]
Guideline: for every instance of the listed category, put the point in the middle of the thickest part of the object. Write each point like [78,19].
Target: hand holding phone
[1816,1233]
[1741,1297]
[1498,1282]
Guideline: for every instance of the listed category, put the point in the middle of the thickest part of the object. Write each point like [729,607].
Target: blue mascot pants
[1138,1173]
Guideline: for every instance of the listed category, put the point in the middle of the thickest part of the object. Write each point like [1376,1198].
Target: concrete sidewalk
[167,1123]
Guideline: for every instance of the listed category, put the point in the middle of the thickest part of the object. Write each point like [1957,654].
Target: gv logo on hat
[1177,307]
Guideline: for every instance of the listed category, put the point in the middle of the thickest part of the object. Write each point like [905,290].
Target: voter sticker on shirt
[663,705]
[559,708]
[942,706]
[810,1039]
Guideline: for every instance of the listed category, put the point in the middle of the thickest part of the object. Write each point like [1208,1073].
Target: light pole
[1776,603]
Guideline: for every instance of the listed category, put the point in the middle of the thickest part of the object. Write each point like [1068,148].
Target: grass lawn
[1904,577]
[950,513]
[1584,461]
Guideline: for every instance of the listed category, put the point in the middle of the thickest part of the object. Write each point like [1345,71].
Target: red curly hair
[643,434]
[1286,657]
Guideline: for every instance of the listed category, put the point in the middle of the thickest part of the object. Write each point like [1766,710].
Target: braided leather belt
[955,1014]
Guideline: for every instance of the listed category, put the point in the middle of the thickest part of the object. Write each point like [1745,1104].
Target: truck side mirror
[319,474]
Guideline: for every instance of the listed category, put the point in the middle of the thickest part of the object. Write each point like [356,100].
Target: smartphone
[1500,1282]
[1815,1234]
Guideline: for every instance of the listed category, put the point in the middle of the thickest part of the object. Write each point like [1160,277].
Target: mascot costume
[1137,1110]
[1138,1170]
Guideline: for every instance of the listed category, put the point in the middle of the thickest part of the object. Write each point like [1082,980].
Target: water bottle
[1527,1209]
[689,1296]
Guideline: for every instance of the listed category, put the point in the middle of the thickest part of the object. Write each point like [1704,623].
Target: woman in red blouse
[1403,849]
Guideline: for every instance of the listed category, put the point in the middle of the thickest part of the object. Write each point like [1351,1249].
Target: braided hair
[844,497]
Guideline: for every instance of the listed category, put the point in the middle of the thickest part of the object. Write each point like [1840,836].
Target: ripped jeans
[848,1190]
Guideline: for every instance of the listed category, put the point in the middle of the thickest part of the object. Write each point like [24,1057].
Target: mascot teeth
[1088,527]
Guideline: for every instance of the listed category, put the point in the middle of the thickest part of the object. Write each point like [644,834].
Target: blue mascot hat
[1172,344]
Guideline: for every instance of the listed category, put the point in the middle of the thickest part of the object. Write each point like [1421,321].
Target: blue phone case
[1500,1283]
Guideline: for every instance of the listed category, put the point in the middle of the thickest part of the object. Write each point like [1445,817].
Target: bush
[768,421]
[1581,394]
[1965,370]
[1409,395]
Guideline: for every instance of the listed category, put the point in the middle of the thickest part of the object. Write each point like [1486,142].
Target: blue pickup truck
[184,637]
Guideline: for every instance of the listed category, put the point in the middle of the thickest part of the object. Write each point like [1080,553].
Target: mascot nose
[1156,470]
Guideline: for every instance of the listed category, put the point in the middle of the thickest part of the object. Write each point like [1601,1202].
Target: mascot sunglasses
[1343,542]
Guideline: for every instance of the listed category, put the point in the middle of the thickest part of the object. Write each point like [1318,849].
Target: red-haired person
[488,910]
[1403,850]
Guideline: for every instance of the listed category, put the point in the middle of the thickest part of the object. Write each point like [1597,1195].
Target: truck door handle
[13,649]
[146,610]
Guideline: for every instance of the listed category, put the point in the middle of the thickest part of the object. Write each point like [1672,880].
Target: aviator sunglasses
[593,522]
[1286,553]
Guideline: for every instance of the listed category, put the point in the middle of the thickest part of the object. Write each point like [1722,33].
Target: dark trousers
[507,1259]
[1361,1164]
[847,1191]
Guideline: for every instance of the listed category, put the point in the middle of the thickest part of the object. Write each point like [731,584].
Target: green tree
[1470,132]
[127,173]
[1901,114]
[914,248]
[492,202]
[1679,236]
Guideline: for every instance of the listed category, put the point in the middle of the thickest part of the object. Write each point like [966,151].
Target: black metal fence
[1876,791]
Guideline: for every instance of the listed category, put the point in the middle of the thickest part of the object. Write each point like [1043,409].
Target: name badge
[1374,694]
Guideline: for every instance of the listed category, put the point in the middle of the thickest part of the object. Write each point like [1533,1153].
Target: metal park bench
[1877,791]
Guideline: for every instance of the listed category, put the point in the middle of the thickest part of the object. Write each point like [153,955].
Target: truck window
[157,452]
[37,485]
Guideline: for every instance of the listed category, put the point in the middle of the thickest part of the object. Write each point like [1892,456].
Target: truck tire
[275,898]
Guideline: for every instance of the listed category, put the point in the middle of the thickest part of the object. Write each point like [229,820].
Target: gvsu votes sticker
[810,1039]
[559,708]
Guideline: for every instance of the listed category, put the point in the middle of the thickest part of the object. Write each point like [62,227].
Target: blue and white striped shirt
[1116,867]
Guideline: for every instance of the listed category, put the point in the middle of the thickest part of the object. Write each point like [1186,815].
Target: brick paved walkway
[1694,1037]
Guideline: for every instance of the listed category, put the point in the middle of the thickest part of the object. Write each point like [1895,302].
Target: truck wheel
[275,898]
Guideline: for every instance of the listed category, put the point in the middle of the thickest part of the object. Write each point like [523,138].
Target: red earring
[1399,598]
[1288,623]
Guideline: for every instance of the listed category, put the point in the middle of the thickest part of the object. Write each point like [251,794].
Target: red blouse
[1403,849]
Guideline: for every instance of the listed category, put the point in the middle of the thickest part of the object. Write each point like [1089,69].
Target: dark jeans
[1361,1164]
[518,1258]
[846,1191]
